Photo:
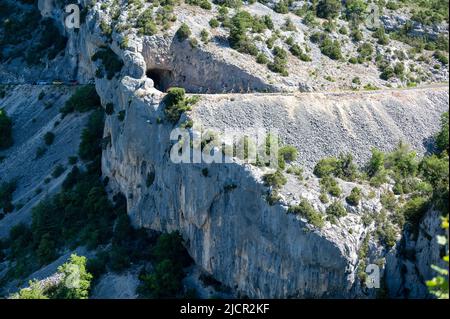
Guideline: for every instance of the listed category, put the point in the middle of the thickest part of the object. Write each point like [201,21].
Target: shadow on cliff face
[198,71]
[162,78]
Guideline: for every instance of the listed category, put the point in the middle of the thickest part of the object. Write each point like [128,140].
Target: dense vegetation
[6,191]
[75,283]
[170,259]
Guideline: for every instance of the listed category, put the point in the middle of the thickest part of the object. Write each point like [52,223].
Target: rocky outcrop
[230,230]
[396,22]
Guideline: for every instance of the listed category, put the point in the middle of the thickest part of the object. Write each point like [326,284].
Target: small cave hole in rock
[162,78]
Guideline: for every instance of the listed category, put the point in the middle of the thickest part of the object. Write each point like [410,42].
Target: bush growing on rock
[380,34]
[145,23]
[261,58]
[298,52]
[306,210]
[238,39]
[176,103]
[355,197]
[330,48]
[341,167]
[6,191]
[336,209]
[328,9]
[183,32]
[276,180]
[213,23]
[58,170]
[329,185]
[442,138]
[281,7]
[355,10]
[49,137]
[288,153]
[6,139]
[84,99]
[90,145]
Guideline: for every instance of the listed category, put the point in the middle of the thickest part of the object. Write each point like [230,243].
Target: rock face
[233,233]
[221,211]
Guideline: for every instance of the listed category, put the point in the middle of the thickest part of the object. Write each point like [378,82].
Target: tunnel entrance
[162,78]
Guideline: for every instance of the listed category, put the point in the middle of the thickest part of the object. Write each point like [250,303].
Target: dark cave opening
[162,78]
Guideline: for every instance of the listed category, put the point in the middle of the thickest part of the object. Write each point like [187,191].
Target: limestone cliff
[229,228]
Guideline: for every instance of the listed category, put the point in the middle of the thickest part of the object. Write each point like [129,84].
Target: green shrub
[204,35]
[326,167]
[357,35]
[40,151]
[330,48]
[355,10]
[6,139]
[241,22]
[145,23]
[365,51]
[281,7]
[214,23]
[49,137]
[376,163]
[64,289]
[276,180]
[121,115]
[441,57]
[402,161]
[414,209]
[330,185]
[399,69]
[176,103]
[387,234]
[341,167]
[58,170]
[305,209]
[261,58]
[442,137]
[355,197]
[109,108]
[380,34]
[90,145]
[298,52]
[34,291]
[298,171]
[84,99]
[288,152]
[336,210]
[328,9]
[84,278]
[6,191]
[183,32]
[388,200]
